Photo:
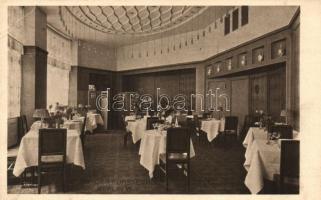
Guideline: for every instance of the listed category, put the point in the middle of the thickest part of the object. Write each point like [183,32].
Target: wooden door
[276,85]
[240,99]
[258,93]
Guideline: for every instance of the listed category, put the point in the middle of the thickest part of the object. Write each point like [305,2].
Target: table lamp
[42,114]
[284,114]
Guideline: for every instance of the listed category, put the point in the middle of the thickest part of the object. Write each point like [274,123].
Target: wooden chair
[13,151]
[288,180]
[177,152]
[123,125]
[207,115]
[151,121]
[231,126]
[286,131]
[83,132]
[182,120]
[197,128]
[52,153]
[248,121]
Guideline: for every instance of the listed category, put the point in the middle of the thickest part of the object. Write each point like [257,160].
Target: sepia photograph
[153,99]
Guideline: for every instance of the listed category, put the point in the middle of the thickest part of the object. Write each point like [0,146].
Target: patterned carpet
[113,169]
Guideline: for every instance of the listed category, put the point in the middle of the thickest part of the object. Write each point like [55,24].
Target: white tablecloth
[28,151]
[73,125]
[137,128]
[262,160]
[152,145]
[93,119]
[212,128]
[130,117]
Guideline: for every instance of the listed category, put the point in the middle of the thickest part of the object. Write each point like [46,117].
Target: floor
[112,168]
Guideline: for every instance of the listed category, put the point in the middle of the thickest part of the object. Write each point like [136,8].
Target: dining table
[73,125]
[153,144]
[28,149]
[136,127]
[93,120]
[212,127]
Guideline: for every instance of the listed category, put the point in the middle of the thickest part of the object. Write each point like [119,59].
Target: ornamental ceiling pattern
[134,20]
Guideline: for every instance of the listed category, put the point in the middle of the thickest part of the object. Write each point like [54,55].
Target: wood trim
[173,67]
[208,61]
[94,69]
[33,50]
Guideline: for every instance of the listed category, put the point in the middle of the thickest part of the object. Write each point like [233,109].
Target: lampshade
[41,113]
[283,113]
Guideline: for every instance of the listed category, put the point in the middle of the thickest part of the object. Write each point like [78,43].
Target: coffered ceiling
[123,25]
[137,20]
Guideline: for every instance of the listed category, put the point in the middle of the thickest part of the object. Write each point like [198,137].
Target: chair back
[178,140]
[52,141]
[84,126]
[24,123]
[247,124]
[207,115]
[123,123]
[182,120]
[231,123]
[197,121]
[286,131]
[23,127]
[151,121]
[290,158]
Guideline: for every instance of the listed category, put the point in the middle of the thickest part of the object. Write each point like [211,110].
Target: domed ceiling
[123,25]
[138,20]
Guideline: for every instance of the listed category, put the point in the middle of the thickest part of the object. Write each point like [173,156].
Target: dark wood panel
[276,85]
[219,87]
[240,99]
[295,97]
[102,79]
[258,94]
[267,91]
[170,83]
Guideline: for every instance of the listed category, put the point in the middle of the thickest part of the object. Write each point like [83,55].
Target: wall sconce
[229,64]
[281,50]
[260,57]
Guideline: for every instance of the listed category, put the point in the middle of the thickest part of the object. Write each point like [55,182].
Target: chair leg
[39,179]
[188,176]
[33,175]
[23,178]
[125,139]
[166,169]
[63,177]
[199,137]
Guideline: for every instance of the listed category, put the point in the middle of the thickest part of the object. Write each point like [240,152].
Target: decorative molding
[57,63]
[33,50]
[133,20]
[15,44]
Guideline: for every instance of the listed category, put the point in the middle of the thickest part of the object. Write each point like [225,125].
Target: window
[244,15]
[235,20]
[227,24]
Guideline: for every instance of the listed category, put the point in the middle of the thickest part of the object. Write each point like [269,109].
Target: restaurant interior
[153,100]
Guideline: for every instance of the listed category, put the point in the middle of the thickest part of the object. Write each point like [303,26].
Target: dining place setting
[55,139]
[155,99]
[272,153]
[164,138]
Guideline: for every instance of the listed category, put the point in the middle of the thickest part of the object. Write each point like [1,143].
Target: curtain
[57,85]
